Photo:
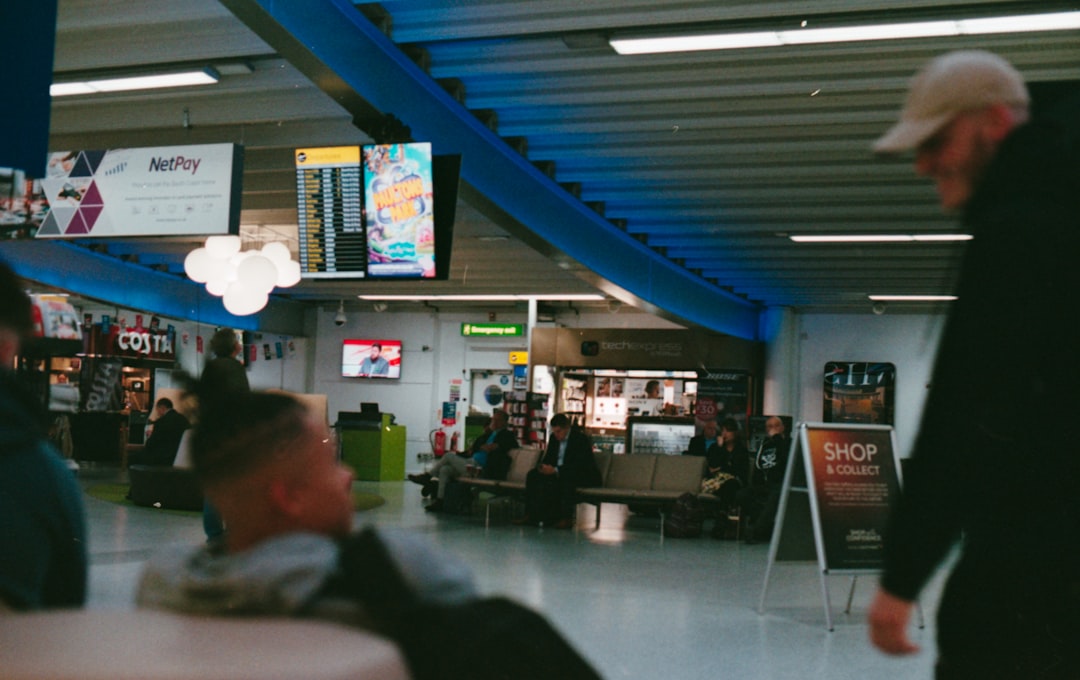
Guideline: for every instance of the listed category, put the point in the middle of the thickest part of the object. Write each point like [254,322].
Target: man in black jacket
[160,448]
[568,464]
[989,462]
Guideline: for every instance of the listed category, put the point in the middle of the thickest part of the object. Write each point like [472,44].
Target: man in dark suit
[568,464]
[164,440]
[700,443]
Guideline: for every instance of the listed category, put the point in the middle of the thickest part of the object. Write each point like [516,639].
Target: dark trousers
[548,498]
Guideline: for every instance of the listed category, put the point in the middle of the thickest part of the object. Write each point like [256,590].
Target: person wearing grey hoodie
[272,471]
[289,549]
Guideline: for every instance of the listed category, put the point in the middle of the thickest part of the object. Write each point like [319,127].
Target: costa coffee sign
[144,344]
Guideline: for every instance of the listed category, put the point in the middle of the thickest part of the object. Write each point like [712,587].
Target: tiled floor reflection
[636,606]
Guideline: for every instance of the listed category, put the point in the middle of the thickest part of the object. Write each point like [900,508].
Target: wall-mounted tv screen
[371,358]
[381,211]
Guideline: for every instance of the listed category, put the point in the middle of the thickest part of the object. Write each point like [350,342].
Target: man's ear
[282,497]
[1000,121]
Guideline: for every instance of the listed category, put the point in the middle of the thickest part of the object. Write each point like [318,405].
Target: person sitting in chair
[160,448]
[567,465]
[490,452]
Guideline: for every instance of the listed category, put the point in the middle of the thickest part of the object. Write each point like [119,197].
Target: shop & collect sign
[854,481]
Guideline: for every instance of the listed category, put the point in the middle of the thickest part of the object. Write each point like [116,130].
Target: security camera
[879,308]
[339,318]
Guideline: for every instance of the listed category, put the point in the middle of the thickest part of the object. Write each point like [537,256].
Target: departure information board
[333,243]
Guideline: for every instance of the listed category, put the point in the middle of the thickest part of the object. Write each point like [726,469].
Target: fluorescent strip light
[184,79]
[1026,23]
[1030,23]
[878,238]
[912,298]
[695,43]
[923,29]
[576,297]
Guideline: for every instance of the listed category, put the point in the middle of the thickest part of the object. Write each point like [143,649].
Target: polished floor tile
[635,605]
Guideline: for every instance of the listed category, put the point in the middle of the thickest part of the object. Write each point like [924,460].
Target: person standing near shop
[989,463]
[43,560]
[760,499]
[223,377]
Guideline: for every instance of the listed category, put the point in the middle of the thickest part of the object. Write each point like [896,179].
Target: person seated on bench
[700,443]
[568,464]
[160,448]
[43,558]
[271,469]
[490,452]
[726,471]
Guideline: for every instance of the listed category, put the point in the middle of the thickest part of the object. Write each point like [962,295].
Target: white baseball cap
[949,85]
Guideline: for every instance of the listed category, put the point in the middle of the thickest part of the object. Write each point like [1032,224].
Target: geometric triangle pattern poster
[154,191]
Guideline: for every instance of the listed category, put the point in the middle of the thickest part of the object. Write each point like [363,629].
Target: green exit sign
[493,330]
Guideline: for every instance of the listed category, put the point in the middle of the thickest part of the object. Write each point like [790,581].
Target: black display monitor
[381,211]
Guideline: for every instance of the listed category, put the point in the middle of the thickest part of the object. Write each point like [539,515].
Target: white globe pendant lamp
[243,279]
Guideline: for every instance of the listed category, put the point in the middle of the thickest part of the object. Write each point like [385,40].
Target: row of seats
[653,480]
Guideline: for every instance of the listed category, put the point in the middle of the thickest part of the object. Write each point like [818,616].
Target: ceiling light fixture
[879,238]
[582,297]
[912,298]
[205,76]
[1024,23]
[243,279]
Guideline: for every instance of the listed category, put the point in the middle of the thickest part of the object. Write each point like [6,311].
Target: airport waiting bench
[522,460]
[646,480]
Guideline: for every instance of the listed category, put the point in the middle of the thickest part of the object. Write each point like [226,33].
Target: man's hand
[548,469]
[888,618]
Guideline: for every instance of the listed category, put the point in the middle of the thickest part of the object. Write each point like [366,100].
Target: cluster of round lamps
[243,279]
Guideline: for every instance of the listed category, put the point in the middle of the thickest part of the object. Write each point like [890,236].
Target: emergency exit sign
[493,330]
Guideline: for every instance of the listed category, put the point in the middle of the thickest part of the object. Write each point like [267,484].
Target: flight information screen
[333,242]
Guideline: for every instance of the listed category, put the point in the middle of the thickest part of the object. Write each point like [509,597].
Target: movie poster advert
[722,394]
[854,482]
[859,392]
[398,201]
[154,191]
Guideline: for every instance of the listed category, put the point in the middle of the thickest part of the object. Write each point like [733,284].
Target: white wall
[908,341]
[433,354]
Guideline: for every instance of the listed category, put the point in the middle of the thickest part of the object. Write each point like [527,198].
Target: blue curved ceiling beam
[69,267]
[337,36]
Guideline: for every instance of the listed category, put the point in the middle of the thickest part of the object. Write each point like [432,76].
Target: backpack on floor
[685,518]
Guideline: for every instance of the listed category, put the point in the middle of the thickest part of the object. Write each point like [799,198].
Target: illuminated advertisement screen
[400,210]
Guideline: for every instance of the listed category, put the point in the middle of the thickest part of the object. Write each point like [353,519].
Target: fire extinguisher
[454,441]
[438,443]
